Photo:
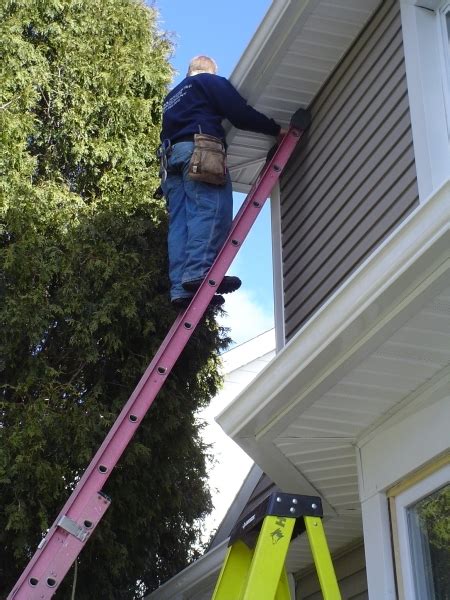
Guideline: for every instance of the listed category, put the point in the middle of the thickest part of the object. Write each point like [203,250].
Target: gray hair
[202,64]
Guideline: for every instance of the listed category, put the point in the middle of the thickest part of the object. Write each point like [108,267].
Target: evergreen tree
[84,294]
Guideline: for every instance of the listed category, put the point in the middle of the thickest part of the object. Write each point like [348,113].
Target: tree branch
[5,106]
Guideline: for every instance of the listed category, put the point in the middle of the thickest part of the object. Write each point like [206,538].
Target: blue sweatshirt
[199,104]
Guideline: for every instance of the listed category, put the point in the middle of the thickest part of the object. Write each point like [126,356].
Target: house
[355,406]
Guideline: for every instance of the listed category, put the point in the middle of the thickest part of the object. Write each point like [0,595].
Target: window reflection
[429,529]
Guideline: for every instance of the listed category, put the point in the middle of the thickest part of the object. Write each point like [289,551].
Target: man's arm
[229,103]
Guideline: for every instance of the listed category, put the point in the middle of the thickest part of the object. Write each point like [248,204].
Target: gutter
[332,334]
[192,576]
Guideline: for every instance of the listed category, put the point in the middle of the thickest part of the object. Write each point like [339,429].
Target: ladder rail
[86,505]
[266,571]
[322,558]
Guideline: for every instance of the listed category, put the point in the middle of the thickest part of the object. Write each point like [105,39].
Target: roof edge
[259,39]
[192,575]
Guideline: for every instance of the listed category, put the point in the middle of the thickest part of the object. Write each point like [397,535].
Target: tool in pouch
[208,161]
[163,153]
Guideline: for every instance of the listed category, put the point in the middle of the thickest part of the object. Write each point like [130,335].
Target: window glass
[429,530]
[447,37]
[447,22]
[444,13]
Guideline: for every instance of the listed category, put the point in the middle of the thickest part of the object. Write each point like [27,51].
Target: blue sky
[218,29]
[222,30]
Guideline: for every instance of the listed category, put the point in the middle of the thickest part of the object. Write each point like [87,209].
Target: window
[445,12]
[447,23]
[429,532]
[423,538]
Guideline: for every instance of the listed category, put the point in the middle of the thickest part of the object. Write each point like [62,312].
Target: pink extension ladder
[87,504]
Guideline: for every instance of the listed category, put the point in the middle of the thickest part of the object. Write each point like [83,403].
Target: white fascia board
[262,55]
[381,294]
[277,262]
[185,582]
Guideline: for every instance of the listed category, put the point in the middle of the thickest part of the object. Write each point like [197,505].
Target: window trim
[443,11]
[400,531]
[277,265]
[429,103]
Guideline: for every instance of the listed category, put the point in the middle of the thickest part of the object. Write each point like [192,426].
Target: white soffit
[294,50]
[378,344]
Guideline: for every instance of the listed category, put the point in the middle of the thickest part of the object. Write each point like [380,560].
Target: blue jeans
[200,216]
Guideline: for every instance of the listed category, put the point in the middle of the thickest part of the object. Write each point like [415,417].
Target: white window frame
[390,456]
[444,9]
[429,96]
[277,263]
[403,502]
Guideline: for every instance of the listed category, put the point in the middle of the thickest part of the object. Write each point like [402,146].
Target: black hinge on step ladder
[254,567]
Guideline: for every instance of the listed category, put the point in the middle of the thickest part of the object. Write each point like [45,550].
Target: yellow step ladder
[254,567]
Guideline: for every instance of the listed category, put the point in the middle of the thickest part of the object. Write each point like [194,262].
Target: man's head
[202,64]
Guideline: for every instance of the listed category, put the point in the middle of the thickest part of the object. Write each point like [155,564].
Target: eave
[295,49]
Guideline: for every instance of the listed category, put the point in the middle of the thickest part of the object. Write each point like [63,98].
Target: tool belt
[208,160]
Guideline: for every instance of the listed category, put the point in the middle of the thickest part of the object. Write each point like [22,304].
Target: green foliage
[84,294]
[434,518]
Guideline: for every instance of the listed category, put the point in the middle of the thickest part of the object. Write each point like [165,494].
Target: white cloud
[244,316]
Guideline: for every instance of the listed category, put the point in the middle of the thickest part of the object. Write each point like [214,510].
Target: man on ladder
[195,179]
[87,503]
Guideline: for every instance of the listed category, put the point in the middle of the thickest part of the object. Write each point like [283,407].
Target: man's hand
[281,135]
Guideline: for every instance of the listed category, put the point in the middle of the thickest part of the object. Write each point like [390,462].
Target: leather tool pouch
[208,161]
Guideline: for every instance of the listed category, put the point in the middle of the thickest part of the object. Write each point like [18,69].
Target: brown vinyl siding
[263,489]
[350,570]
[353,179]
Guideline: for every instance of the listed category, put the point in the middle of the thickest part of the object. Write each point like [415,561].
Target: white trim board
[426,78]
[379,565]
[277,261]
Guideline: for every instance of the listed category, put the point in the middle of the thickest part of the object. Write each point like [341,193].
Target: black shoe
[228,284]
[183,303]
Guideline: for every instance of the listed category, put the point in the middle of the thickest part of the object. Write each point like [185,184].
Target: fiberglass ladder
[87,503]
[254,566]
